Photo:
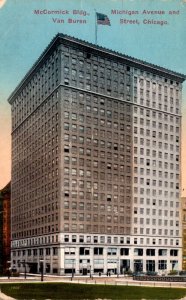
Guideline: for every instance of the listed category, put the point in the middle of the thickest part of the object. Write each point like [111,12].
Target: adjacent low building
[96,163]
[5,229]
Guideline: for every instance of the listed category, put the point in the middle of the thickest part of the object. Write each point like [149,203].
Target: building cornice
[131,61]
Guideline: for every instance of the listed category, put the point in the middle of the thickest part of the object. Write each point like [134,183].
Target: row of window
[36,252]
[99,228]
[95,195]
[101,207]
[27,232]
[172,148]
[73,96]
[102,154]
[87,141]
[159,125]
[96,251]
[152,212]
[155,153]
[156,84]
[155,134]
[115,240]
[102,122]
[157,164]
[139,191]
[21,232]
[157,222]
[80,55]
[157,231]
[159,183]
[150,113]
[94,174]
[153,172]
[158,202]
[95,110]
[164,108]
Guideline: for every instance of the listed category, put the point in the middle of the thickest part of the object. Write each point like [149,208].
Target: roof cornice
[131,61]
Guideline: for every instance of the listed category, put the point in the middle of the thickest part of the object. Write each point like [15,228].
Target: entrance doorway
[84,271]
[124,265]
[150,265]
[138,265]
[33,268]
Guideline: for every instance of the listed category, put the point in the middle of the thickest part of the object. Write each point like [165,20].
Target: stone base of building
[99,254]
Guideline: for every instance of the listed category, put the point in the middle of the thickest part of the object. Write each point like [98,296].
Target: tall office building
[96,163]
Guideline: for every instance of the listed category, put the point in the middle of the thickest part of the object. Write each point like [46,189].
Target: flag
[102,19]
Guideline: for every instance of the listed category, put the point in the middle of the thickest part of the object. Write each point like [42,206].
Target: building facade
[5,229]
[96,163]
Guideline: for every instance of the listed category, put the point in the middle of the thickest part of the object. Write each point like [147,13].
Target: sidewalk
[120,280]
[5,297]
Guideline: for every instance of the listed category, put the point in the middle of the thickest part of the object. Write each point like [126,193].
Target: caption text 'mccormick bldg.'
[95,163]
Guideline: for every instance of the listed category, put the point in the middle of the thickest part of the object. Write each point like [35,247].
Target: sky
[24,35]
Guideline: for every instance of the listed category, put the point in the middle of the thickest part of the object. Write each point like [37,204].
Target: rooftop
[131,61]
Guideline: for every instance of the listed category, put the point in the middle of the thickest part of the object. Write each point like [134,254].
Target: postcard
[152,31]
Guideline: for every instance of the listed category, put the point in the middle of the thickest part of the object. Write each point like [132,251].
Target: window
[66,238]
[84,251]
[174,252]
[162,264]
[74,239]
[128,240]
[112,251]
[55,251]
[47,251]
[162,252]
[124,251]
[138,251]
[150,265]
[98,251]
[81,239]
[150,252]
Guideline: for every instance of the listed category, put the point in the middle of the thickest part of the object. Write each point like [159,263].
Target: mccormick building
[96,163]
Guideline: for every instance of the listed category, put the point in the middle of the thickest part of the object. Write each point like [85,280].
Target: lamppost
[9,273]
[118,267]
[41,268]
[90,272]
[72,270]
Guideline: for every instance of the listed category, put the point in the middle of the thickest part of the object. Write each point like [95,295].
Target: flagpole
[96,28]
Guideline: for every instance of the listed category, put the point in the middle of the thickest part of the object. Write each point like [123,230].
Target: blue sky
[24,36]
